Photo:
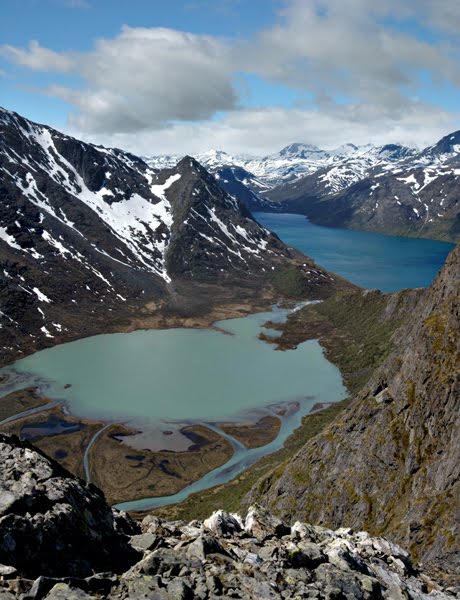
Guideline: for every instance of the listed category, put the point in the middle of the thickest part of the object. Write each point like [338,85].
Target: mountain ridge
[390,462]
[125,241]
[60,540]
[391,189]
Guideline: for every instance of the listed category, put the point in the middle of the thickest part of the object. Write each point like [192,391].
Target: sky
[245,76]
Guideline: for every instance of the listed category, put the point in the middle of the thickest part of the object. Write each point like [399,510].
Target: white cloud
[149,88]
[347,47]
[265,130]
[38,58]
[141,79]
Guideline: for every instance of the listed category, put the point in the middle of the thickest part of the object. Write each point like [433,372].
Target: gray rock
[179,590]
[144,541]
[203,546]
[7,571]
[52,523]
[307,555]
[262,524]
[222,523]
[61,591]
[266,560]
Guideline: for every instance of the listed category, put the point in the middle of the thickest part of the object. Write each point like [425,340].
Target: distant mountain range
[90,236]
[291,163]
[391,189]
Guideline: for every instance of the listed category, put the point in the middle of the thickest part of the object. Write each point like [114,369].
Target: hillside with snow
[90,236]
[402,192]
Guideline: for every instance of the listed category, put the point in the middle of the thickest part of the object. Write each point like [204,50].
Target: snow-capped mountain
[340,172]
[341,166]
[89,235]
[392,189]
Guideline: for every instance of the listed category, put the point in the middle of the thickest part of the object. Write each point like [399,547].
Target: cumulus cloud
[147,77]
[141,79]
[262,131]
[346,47]
[442,15]
[362,62]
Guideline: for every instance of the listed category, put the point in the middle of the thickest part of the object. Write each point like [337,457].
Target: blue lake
[371,260]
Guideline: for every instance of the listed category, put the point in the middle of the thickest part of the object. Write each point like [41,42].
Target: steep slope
[245,186]
[52,523]
[90,236]
[393,191]
[418,197]
[391,462]
[60,531]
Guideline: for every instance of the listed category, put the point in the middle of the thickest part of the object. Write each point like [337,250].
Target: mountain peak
[300,150]
[188,162]
[449,144]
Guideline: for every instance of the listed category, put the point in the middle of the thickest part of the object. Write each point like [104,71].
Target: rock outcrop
[60,540]
[391,463]
[52,523]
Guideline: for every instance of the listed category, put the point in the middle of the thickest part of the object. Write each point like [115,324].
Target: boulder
[54,524]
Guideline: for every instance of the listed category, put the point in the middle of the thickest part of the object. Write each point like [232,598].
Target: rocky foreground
[60,540]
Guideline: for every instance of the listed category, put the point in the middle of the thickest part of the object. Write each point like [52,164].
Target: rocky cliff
[59,540]
[391,463]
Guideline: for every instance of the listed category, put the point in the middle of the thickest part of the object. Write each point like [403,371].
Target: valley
[391,189]
[193,351]
[170,465]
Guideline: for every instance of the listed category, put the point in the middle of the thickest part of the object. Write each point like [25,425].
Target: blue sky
[243,75]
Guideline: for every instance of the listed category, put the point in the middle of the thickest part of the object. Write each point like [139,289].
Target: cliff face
[391,462]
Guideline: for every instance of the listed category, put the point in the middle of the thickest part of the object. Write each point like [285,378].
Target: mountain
[286,179]
[93,238]
[341,173]
[60,540]
[391,462]
[293,161]
[391,190]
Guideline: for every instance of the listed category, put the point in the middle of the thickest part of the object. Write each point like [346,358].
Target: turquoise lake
[371,260]
[162,379]
[181,375]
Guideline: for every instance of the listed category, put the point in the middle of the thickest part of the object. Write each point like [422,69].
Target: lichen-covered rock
[62,591]
[52,523]
[221,523]
[262,525]
[59,540]
[302,561]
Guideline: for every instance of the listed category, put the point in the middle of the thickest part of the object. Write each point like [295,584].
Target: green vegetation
[230,497]
[290,282]
[355,328]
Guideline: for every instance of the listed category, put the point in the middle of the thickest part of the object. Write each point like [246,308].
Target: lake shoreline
[175,468]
